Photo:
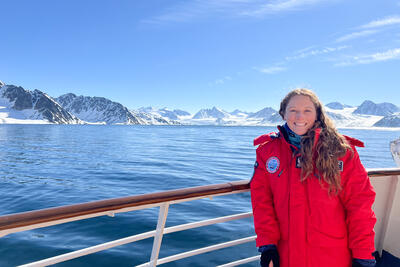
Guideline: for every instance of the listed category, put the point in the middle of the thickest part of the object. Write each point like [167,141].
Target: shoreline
[40,122]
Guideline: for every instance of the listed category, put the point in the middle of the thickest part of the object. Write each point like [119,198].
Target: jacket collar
[283,133]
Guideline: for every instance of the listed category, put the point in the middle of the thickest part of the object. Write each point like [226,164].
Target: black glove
[363,263]
[268,255]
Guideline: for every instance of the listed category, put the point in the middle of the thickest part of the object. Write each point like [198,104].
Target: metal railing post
[162,217]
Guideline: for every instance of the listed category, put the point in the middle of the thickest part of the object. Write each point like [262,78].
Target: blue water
[44,166]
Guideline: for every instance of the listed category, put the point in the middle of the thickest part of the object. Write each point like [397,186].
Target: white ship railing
[386,206]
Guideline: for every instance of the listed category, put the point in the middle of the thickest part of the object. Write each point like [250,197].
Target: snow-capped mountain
[211,113]
[217,116]
[275,118]
[148,109]
[174,115]
[392,120]
[153,118]
[18,105]
[239,113]
[337,105]
[265,113]
[103,110]
[370,108]
[180,112]
[97,109]
[347,118]
[342,115]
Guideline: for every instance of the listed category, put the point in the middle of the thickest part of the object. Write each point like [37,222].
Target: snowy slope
[347,118]
[162,116]
[392,120]
[97,109]
[152,118]
[103,110]
[21,106]
[213,113]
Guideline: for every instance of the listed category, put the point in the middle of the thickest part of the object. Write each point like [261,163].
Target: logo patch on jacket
[272,164]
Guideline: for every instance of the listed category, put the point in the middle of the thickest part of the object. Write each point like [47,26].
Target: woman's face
[300,114]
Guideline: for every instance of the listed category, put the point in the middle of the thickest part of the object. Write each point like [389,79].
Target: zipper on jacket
[289,197]
[309,214]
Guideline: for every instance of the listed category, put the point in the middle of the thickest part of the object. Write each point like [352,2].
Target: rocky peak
[264,113]
[44,106]
[392,120]
[21,98]
[211,113]
[370,108]
[337,105]
[97,109]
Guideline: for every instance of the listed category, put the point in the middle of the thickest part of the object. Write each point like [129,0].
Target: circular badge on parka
[272,164]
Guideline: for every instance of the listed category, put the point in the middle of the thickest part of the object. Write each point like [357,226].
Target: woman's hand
[269,258]
[363,263]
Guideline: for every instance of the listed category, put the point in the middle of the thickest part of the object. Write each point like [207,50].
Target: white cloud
[300,54]
[355,35]
[315,52]
[281,6]
[197,9]
[271,70]
[390,54]
[303,50]
[382,22]
[370,28]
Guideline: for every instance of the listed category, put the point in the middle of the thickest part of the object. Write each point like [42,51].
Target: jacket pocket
[319,238]
[327,225]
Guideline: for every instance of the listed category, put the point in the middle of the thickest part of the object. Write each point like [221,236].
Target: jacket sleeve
[265,221]
[357,196]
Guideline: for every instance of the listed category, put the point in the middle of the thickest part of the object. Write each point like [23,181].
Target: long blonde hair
[331,145]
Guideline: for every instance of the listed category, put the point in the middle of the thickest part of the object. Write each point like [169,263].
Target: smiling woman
[300,114]
[311,196]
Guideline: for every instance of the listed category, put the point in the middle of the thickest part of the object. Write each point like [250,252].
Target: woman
[310,194]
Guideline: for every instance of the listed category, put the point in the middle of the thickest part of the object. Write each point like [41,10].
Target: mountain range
[18,105]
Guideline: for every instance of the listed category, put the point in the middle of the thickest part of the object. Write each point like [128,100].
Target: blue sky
[244,54]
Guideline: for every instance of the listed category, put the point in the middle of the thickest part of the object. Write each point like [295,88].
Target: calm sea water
[44,166]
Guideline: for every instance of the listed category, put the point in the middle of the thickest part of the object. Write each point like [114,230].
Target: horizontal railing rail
[383,172]
[42,218]
[76,210]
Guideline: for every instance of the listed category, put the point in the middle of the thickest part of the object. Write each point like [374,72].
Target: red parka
[310,227]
